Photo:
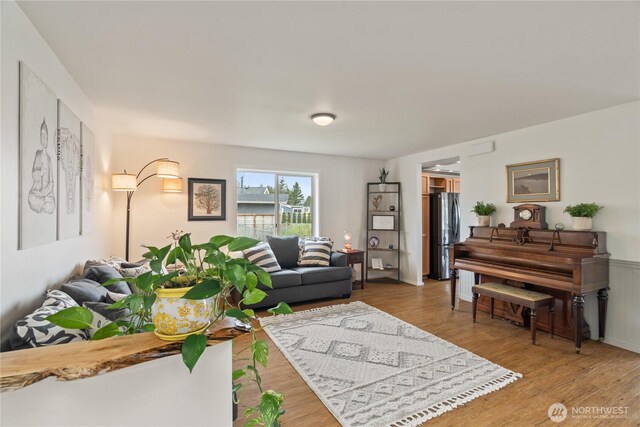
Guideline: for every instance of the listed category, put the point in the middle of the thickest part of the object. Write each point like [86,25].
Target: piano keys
[566,264]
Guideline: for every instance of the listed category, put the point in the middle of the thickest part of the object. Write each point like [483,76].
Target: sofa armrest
[338,259]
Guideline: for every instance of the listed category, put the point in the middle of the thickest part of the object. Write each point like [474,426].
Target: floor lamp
[167,169]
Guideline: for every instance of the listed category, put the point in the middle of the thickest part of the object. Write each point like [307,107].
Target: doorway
[440,215]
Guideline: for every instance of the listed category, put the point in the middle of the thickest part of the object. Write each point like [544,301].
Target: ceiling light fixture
[323,119]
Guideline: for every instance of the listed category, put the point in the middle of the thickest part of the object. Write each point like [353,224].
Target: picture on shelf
[383,222]
[376,263]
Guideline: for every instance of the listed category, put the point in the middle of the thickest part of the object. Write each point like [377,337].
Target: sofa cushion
[103,315]
[283,279]
[84,290]
[59,298]
[34,330]
[262,256]
[285,249]
[102,273]
[316,253]
[313,275]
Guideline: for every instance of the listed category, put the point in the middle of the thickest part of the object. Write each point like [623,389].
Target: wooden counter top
[84,359]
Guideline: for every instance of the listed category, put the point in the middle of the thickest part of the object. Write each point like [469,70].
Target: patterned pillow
[316,253]
[262,256]
[310,239]
[34,330]
[98,322]
[58,299]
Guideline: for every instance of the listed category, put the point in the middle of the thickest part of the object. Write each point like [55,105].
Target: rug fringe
[434,411]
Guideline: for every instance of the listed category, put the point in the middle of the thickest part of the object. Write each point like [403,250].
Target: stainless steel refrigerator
[444,231]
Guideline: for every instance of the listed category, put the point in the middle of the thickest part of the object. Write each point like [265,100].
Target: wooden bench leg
[492,305]
[533,326]
[475,306]
[552,316]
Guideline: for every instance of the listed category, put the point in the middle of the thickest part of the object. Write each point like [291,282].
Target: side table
[355,256]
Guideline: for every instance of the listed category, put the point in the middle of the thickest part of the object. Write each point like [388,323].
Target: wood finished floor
[602,375]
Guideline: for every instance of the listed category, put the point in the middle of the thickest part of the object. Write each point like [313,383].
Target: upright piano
[565,264]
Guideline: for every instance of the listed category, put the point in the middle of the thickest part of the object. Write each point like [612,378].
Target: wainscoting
[623,321]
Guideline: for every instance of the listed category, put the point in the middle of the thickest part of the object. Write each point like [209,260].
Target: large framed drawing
[207,199]
[537,181]
[68,172]
[87,171]
[38,166]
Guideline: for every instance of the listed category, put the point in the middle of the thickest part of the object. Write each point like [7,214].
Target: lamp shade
[168,169]
[172,185]
[123,182]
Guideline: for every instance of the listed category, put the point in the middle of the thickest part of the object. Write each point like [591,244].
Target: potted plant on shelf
[383,179]
[177,305]
[483,213]
[582,215]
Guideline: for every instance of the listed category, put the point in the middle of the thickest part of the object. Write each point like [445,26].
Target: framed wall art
[207,199]
[383,222]
[68,172]
[537,181]
[38,161]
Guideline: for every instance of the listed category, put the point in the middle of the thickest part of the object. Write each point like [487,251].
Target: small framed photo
[383,222]
[537,181]
[207,199]
[376,263]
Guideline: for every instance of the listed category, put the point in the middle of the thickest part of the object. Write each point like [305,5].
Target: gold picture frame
[537,181]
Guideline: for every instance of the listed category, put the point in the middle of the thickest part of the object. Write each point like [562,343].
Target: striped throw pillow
[316,253]
[262,256]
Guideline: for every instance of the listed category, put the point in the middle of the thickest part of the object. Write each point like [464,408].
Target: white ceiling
[402,77]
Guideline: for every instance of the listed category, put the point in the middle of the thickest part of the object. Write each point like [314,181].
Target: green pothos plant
[211,273]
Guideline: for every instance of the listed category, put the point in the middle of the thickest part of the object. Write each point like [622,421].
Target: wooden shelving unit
[383,222]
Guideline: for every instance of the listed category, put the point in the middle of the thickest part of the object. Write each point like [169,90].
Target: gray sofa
[296,284]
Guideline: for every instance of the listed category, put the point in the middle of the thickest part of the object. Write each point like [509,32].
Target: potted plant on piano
[483,213]
[582,215]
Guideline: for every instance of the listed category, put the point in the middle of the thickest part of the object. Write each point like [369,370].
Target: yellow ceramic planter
[175,318]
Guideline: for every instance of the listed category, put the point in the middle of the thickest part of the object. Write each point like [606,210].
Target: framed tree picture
[207,199]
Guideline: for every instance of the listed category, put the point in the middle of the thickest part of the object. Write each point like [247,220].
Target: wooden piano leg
[452,275]
[578,319]
[492,305]
[603,297]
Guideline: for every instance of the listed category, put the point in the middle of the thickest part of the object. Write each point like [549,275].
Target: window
[275,203]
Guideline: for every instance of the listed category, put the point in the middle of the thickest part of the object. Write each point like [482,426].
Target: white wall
[27,273]
[154,214]
[599,155]
[202,398]
[599,162]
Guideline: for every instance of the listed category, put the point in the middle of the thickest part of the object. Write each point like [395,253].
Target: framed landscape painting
[537,181]
[207,199]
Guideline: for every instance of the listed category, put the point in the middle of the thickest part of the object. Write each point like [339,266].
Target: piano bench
[531,299]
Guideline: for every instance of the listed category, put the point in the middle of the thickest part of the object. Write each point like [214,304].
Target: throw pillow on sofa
[83,290]
[316,254]
[34,330]
[103,315]
[102,273]
[310,239]
[285,249]
[262,256]
[59,298]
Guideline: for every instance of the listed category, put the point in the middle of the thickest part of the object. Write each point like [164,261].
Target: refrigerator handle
[455,213]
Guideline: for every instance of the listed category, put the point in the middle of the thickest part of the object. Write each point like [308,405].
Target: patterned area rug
[372,369]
